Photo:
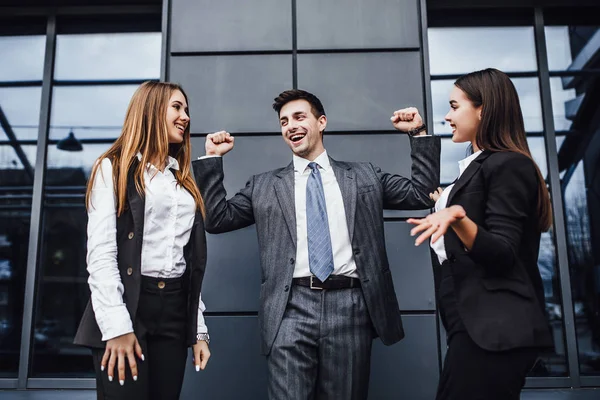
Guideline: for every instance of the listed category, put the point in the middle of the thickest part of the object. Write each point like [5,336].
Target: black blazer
[130,229]
[498,287]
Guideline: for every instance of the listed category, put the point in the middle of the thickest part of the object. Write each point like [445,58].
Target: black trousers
[160,328]
[470,372]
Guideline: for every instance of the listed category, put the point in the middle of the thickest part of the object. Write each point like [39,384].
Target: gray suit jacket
[268,201]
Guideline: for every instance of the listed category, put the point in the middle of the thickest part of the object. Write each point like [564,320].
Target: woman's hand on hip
[201,354]
[117,350]
[435,225]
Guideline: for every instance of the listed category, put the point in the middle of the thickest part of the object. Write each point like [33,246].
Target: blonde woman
[146,253]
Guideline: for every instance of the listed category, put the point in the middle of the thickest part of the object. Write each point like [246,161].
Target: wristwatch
[203,336]
[416,131]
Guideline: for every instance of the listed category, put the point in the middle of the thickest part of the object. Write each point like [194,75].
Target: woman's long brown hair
[501,127]
[145,131]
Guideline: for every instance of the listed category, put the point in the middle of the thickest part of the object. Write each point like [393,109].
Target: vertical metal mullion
[428,117]
[428,112]
[165,51]
[294,46]
[37,201]
[557,202]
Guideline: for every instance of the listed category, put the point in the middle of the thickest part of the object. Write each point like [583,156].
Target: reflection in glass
[581,204]
[552,362]
[561,99]
[463,50]
[22,58]
[90,112]
[527,89]
[21,108]
[571,47]
[108,56]
[16,187]
[63,277]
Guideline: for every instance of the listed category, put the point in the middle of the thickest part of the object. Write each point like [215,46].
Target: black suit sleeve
[222,215]
[410,194]
[511,194]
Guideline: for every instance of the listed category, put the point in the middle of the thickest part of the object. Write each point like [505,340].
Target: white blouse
[168,219]
[439,246]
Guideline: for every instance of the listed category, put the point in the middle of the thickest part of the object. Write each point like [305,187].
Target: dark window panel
[342,24]
[228,27]
[408,369]
[411,268]
[16,187]
[239,371]
[62,291]
[125,22]
[361,91]
[233,93]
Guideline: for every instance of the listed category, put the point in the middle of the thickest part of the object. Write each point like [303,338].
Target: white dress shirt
[168,219]
[439,246]
[343,259]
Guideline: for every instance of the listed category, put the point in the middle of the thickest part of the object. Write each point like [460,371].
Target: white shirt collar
[171,162]
[464,163]
[300,164]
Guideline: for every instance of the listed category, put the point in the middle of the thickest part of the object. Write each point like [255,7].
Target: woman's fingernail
[197,368]
[102,368]
[135,378]
[143,359]
[110,378]
[121,383]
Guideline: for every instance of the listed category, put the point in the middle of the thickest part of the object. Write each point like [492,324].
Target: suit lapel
[467,175]
[346,178]
[284,190]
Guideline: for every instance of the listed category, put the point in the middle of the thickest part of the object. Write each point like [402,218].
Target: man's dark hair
[297,94]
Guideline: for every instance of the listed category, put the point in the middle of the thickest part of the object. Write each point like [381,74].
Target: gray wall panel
[360,91]
[236,370]
[411,268]
[231,25]
[232,280]
[406,370]
[409,369]
[233,93]
[256,154]
[240,269]
[342,24]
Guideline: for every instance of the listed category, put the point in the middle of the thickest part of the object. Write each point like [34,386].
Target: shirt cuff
[202,328]
[114,322]
[210,156]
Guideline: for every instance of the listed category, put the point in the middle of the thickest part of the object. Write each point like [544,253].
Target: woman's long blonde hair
[145,131]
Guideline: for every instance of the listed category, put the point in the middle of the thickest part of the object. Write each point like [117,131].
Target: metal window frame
[560,237]
[36,206]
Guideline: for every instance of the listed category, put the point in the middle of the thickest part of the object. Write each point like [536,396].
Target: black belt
[333,282]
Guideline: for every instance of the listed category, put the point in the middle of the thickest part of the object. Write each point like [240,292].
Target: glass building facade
[68,73]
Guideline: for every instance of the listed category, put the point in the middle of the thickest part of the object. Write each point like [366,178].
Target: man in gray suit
[326,288]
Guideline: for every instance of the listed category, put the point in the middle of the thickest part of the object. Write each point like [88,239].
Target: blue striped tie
[320,255]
